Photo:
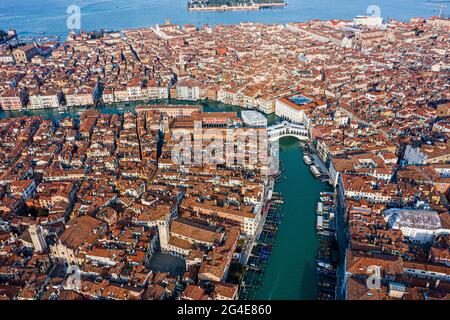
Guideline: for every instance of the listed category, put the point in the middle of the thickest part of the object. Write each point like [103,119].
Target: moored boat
[307,160]
[315,171]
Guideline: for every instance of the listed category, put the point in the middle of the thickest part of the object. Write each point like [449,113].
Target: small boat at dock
[303,145]
[315,171]
[325,265]
[307,160]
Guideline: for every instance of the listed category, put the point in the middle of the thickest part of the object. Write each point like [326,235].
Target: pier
[262,248]
[327,253]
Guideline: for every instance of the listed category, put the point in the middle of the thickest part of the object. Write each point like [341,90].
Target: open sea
[31,17]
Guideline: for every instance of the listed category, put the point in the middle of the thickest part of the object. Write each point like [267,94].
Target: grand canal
[290,272]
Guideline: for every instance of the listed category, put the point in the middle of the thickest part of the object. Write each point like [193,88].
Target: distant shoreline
[258,6]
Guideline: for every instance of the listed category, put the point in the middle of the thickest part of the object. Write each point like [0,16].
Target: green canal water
[290,272]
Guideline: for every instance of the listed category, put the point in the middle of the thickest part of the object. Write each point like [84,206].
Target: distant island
[222,5]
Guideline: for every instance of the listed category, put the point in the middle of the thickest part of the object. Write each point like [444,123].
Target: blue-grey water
[37,16]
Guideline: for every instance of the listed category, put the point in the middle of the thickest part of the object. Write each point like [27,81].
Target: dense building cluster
[101,195]
[104,194]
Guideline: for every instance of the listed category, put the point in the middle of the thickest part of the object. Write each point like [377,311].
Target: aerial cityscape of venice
[248,150]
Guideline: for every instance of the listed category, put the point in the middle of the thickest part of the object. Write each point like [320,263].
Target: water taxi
[315,171]
[325,265]
[307,160]
[319,208]
[319,223]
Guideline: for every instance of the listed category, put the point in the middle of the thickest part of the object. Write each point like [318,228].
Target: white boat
[319,208]
[325,265]
[315,171]
[307,160]
[319,223]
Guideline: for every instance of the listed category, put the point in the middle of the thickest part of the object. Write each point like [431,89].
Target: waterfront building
[266,105]
[155,92]
[230,96]
[216,266]
[172,111]
[250,98]
[188,90]
[83,96]
[254,119]
[45,100]
[359,266]
[108,95]
[293,108]
[13,100]
[134,90]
